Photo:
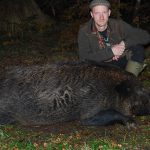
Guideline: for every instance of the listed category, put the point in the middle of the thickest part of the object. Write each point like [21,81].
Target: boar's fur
[93,94]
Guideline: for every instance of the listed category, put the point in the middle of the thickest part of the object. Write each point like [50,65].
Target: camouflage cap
[99,2]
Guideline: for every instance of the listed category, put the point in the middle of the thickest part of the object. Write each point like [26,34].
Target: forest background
[35,31]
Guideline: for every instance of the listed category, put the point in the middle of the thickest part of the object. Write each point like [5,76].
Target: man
[103,39]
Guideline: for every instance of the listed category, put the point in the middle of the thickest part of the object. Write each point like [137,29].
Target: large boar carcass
[93,94]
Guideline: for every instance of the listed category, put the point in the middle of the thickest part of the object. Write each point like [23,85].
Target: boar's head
[135,97]
[141,104]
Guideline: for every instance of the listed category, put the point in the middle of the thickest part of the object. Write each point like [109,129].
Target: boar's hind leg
[108,117]
[6,119]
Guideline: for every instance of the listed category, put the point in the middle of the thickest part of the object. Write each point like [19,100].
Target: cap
[99,2]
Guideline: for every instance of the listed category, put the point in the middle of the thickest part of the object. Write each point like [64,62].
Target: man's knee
[135,62]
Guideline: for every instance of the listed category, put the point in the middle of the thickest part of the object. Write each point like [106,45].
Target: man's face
[100,14]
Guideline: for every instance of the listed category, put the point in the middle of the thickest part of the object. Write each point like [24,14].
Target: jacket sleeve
[86,51]
[134,36]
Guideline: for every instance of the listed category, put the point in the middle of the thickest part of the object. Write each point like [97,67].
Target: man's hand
[118,50]
[115,58]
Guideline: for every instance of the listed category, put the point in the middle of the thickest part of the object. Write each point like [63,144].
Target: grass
[117,137]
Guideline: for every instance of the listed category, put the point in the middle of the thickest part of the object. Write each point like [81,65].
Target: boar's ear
[124,88]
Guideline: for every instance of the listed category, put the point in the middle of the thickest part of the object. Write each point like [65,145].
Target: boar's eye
[124,88]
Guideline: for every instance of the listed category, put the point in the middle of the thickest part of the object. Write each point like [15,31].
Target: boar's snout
[142,103]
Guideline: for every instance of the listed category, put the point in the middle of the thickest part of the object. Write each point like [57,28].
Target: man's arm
[134,36]
[99,54]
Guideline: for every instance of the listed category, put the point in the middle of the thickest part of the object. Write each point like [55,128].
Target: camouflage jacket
[91,46]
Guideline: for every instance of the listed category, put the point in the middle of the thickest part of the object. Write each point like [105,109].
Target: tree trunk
[136,19]
[14,13]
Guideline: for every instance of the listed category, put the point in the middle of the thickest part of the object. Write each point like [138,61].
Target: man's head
[100,12]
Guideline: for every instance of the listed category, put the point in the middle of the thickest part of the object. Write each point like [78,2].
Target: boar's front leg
[109,117]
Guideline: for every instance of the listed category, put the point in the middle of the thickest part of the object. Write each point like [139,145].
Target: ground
[73,136]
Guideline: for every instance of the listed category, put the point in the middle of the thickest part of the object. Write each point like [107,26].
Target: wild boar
[93,94]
